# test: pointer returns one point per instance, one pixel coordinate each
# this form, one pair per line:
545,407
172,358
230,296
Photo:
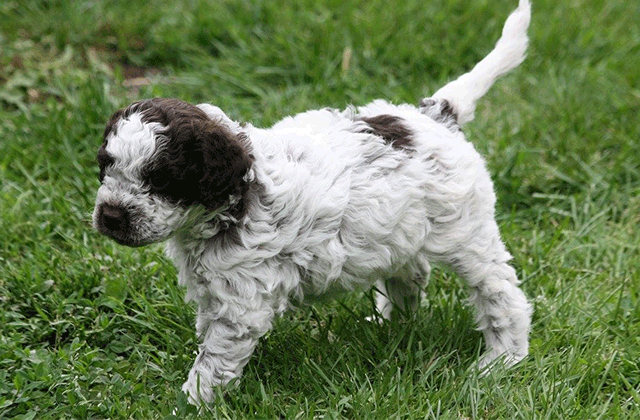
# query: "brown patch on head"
104,159
111,125
198,160
391,128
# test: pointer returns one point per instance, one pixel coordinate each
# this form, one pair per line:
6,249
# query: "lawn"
90,329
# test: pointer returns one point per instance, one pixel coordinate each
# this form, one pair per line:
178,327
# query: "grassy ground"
90,329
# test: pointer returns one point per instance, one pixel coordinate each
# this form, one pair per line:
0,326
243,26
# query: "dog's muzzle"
115,222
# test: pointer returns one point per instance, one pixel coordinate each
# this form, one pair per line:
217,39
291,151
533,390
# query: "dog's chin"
131,242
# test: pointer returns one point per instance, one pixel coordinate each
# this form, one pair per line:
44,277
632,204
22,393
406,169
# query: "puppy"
321,202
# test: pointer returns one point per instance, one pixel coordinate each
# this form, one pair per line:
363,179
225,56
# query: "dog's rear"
457,99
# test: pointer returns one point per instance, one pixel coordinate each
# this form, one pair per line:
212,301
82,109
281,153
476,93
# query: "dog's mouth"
126,241
123,238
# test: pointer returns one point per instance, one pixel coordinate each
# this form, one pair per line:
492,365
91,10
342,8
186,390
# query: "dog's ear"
226,162
201,161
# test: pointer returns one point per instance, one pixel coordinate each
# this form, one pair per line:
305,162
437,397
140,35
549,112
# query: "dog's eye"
157,180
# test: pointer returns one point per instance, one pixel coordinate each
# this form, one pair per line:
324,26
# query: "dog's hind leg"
502,311
402,292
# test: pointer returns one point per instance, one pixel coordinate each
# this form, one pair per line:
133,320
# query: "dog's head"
164,162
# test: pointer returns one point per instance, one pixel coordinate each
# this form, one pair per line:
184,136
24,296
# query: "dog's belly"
383,227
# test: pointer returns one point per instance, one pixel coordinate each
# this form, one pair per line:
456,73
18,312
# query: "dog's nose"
113,218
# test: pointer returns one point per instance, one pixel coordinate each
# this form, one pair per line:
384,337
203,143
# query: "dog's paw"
197,394
203,384
375,319
493,359
199,387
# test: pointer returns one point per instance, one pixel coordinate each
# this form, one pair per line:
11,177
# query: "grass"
94,330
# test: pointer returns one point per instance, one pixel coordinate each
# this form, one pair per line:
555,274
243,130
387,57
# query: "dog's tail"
463,93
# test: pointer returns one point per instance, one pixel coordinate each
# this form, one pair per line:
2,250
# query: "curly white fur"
337,208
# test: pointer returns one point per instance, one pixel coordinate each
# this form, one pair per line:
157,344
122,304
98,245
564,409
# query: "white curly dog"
321,202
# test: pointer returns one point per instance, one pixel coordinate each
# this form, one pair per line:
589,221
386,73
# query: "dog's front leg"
229,334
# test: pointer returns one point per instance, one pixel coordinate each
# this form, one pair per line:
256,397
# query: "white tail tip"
463,93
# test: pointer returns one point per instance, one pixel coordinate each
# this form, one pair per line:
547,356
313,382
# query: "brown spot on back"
441,111
391,128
